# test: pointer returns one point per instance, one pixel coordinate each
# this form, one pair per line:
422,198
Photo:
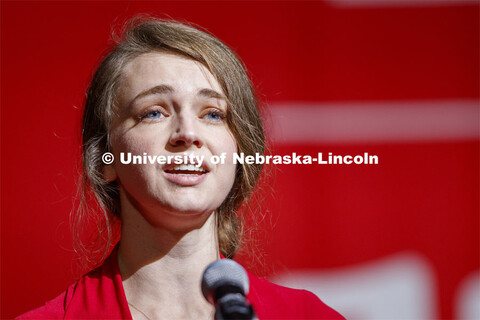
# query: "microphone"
225,284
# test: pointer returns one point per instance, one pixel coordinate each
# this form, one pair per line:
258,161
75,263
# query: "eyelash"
162,114
215,112
145,115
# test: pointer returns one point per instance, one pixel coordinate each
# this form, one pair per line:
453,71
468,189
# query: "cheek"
135,145
130,143
226,143
229,147
137,142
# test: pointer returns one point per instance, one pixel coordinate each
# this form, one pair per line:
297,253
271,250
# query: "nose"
185,133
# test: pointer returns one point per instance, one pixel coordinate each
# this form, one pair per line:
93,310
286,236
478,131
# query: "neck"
162,269
141,248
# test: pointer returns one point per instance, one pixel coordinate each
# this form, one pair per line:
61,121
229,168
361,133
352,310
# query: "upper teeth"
188,167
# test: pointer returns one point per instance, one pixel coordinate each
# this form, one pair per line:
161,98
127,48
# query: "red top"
100,295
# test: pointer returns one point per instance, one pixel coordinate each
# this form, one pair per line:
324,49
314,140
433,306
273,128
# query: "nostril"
185,139
179,142
186,134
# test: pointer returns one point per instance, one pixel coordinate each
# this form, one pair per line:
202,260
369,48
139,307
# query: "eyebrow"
160,89
163,88
209,93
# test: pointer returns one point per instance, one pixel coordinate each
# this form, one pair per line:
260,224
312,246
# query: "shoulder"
272,301
98,294
53,309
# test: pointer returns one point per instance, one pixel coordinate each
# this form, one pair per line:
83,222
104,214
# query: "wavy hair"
143,35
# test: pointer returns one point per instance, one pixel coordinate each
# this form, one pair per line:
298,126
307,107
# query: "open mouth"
186,169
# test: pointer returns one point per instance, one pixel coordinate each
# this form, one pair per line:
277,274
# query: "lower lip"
185,179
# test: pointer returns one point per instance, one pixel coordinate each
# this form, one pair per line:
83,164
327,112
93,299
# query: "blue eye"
215,115
152,115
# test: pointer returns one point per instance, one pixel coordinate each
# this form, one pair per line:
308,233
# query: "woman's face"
170,105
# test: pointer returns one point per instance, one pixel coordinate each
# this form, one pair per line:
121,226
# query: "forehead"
159,68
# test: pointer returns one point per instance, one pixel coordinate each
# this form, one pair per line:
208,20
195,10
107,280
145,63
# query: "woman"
167,89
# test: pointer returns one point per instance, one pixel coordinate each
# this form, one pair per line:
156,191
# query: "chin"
189,205
181,220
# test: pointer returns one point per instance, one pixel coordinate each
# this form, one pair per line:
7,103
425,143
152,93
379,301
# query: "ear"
109,173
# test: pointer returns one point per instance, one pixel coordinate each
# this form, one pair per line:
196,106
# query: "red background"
423,196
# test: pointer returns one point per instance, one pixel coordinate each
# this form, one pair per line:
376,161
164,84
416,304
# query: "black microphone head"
224,273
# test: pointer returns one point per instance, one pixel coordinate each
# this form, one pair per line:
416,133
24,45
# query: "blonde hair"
144,35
